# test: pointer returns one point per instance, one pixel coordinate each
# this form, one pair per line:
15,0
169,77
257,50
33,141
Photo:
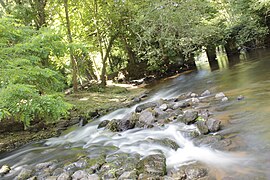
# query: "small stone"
163,107
195,100
241,97
220,95
94,177
206,93
193,95
136,99
180,105
142,107
224,99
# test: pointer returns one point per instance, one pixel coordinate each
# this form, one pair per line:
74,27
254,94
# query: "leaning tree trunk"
104,61
72,58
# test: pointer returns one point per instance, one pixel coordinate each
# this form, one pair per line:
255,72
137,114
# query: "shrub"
24,103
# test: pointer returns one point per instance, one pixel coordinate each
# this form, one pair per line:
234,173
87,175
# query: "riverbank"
87,105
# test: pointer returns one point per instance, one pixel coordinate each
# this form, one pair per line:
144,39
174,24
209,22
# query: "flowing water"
248,120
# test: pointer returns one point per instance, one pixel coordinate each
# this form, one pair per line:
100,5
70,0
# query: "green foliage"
28,79
24,103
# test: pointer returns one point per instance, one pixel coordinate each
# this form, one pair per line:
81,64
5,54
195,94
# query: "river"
247,121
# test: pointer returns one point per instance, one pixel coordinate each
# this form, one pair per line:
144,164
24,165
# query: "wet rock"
215,142
136,99
224,99
94,177
58,171
195,171
189,172
4,170
220,95
153,165
103,124
142,107
213,124
128,175
94,114
193,95
80,174
45,165
205,114
82,121
146,117
149,177
202,127
206,93
24,174
51,178
180,105
195,100
117,164
188,117
163,107
64,176
190,134
118,125
241,97
164,142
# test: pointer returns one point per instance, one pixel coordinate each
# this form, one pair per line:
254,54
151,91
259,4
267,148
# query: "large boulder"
142,107
153,165
213,124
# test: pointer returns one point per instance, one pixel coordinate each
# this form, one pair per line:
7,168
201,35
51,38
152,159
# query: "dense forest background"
47,46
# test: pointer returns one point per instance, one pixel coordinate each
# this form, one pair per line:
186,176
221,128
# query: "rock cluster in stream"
188,108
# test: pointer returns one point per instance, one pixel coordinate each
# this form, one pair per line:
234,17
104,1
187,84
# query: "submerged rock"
164,142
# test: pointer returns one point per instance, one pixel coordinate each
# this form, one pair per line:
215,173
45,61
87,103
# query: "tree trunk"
211,53
72,58
104,60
